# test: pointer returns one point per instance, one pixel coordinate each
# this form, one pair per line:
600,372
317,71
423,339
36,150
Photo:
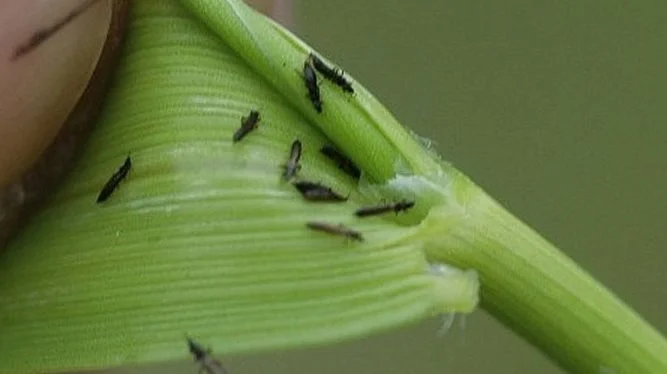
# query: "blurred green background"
558,109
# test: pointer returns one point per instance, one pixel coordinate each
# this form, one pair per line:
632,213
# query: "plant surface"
205,237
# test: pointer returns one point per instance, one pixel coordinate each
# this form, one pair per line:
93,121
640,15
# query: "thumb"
54,60
46,61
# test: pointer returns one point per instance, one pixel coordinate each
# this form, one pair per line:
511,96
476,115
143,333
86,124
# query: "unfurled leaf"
204,237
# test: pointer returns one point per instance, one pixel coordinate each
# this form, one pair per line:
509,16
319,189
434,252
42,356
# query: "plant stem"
536,290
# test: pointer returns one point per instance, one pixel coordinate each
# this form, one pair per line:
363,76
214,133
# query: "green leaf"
279,56
203,237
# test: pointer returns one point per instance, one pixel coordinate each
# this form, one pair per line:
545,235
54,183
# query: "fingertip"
41,82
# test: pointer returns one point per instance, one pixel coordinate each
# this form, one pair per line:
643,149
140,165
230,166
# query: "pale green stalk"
540,293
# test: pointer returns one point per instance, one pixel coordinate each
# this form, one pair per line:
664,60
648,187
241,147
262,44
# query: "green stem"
537,291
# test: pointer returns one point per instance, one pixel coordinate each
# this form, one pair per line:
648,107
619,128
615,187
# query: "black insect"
316,192
310,79
343,163
397,207
247,124
336,230
292,166
335,75
203,357
115,179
